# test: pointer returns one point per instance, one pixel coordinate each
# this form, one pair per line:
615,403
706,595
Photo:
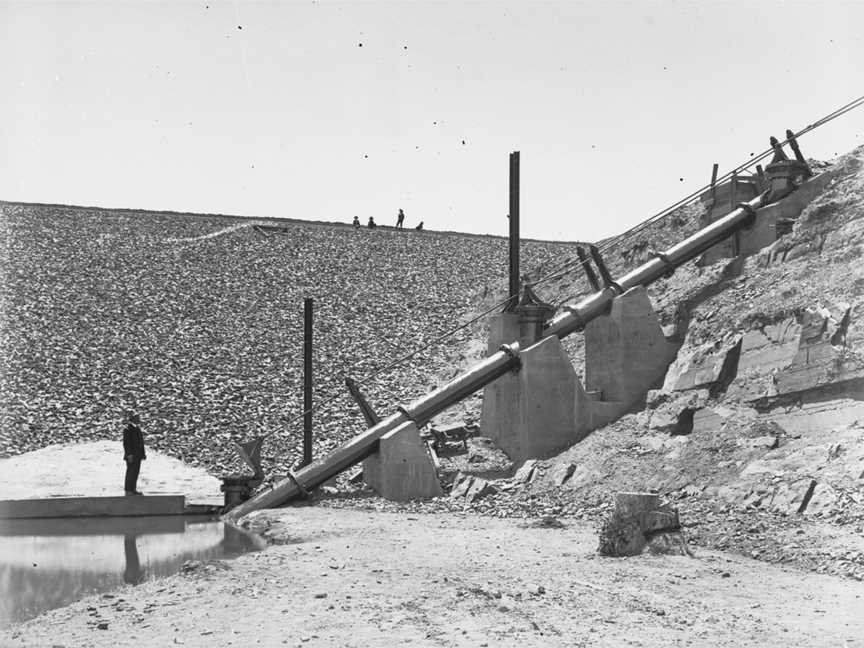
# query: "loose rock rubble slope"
197,322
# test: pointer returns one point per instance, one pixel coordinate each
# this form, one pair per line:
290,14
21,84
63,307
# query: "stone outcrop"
639,519
797,353
712,365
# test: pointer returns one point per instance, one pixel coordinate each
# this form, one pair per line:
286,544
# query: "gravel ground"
353,578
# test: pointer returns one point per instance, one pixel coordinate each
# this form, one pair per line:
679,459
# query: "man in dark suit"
133,452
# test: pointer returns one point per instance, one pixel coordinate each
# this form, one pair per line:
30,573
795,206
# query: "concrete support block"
504,328
626,353
402,469
763,232
719,201
531,413
542,408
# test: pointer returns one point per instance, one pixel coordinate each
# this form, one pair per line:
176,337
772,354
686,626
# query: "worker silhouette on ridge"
419,226
371,224
133,452
356,223
400,219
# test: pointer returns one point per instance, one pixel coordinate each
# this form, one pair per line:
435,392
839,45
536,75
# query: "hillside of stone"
757,432
196,322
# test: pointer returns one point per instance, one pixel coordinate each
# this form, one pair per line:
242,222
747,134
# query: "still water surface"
45,564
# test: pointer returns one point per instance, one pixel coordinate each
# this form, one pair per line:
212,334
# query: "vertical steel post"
307,381
733,200
513,289
733,191
714,181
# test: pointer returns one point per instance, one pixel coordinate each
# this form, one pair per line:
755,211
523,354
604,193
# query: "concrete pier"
626,352
543,407
402,469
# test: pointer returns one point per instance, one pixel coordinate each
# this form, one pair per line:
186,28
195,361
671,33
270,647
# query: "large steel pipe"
575,317
484,372
419,411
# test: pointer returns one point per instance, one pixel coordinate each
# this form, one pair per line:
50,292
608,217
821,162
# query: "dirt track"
351,578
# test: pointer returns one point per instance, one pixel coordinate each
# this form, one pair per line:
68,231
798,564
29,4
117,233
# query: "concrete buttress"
503,329
626,353
402,469
543,407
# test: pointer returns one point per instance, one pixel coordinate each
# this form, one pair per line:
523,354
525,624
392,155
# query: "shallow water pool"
49,563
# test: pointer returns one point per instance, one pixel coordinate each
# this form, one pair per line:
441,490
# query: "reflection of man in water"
133,452
133,574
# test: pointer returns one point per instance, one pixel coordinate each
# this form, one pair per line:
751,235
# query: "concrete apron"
543,407
70,507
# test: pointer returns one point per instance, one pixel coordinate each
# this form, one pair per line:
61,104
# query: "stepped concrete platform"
71,507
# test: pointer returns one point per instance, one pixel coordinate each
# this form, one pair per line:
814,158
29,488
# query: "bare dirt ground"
353,578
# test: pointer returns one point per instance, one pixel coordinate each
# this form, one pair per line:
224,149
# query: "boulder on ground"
676,415
560,473
637,519
526,472
479,489
712,365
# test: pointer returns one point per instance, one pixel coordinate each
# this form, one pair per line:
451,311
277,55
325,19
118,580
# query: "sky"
325,110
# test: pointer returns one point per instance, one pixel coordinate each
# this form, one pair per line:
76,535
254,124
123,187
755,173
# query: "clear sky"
324,110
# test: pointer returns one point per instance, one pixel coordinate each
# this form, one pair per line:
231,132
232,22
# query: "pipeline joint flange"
670,270
304,492
404,412
580,321
513,352
751,213
614,285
